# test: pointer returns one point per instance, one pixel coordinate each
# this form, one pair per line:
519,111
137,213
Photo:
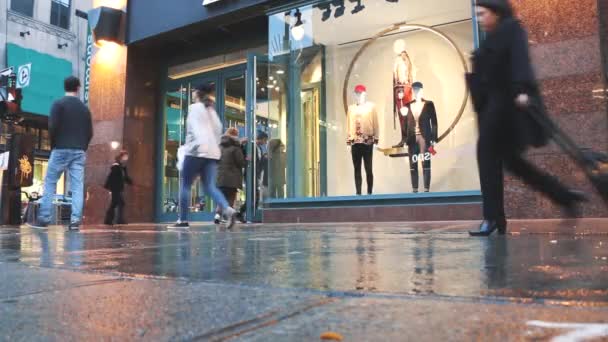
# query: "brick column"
566,47
107,103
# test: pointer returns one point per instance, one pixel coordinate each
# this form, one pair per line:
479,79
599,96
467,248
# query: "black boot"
488,227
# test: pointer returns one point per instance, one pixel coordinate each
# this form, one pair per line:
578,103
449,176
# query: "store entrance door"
258,86
230,96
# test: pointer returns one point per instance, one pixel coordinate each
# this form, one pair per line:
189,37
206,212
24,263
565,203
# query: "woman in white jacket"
202,153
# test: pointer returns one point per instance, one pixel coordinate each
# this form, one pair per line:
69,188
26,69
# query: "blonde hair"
232,131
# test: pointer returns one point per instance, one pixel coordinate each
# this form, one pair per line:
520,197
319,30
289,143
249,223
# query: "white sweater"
203,132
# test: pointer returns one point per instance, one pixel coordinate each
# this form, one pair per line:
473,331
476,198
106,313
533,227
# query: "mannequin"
402,85
362,126
420,127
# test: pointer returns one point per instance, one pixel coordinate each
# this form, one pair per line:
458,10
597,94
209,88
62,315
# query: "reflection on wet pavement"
388,259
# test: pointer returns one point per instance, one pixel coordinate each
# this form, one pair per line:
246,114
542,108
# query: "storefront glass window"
368,106
40,167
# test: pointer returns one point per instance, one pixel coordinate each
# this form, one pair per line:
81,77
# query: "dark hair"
262,135
71,84
203,90
120,155
501,7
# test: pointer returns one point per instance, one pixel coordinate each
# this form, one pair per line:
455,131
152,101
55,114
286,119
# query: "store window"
355,94
37,188
25,7
60,13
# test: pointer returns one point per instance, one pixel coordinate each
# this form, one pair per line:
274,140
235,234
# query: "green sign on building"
46,76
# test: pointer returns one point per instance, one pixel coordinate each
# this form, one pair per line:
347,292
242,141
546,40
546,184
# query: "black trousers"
116,209
419,153
365,153
492,155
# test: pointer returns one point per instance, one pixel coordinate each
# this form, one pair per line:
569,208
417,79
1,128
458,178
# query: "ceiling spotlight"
326,8
339,4
358,8
280,72
297,31
61,46
24,33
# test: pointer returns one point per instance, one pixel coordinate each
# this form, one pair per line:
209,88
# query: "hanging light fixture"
297,31
339,4
326,8
358,8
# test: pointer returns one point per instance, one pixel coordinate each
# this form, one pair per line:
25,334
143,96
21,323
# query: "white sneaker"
230,215
217,219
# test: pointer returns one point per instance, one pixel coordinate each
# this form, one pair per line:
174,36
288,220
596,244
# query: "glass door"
310,115
263,139
178,99
230,104
234,114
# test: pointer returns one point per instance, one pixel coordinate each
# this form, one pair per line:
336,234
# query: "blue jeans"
72,161
207,169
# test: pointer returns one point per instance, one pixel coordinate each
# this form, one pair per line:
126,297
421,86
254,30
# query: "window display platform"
376,208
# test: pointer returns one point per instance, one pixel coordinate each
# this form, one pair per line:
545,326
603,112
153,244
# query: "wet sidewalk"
421,282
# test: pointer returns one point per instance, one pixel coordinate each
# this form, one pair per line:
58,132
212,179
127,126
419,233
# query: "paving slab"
423,319
144,309
18,280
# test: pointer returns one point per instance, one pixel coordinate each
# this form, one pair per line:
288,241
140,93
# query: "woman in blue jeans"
202,153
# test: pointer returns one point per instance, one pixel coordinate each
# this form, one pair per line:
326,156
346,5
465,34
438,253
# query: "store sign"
23,75
87,67
209,2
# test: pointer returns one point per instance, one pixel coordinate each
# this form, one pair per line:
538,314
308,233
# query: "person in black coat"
115,183
504,88
230,168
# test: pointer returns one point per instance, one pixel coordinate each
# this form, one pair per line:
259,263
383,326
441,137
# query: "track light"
61,46
358,8
297,31
339,4
24,33
326,8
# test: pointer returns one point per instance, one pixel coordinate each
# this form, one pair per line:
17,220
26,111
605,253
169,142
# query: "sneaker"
230,215
179,225
38,225
217,219
75,226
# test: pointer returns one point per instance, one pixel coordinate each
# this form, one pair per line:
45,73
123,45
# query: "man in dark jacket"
71,131
504,90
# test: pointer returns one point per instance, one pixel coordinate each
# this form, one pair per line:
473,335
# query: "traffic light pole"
10,200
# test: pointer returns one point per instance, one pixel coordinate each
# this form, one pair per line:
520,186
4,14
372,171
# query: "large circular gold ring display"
399,26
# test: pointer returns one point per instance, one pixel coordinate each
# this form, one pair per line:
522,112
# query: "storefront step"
378,213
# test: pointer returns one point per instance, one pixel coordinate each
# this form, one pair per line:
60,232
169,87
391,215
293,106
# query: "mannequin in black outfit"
420,133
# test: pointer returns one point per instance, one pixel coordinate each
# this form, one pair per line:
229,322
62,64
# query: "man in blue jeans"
70,132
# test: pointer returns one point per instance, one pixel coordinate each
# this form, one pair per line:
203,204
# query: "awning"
46,79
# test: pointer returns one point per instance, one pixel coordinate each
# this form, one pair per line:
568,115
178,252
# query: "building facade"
294,71
49,37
